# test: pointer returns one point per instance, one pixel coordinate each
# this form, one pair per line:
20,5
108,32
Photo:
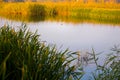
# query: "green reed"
23,56
110,69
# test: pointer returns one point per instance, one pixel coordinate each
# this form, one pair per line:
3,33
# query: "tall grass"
96,12
110,68
24,57
37,10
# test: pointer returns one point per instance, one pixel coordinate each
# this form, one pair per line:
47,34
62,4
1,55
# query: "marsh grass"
108,12
110,69
24,57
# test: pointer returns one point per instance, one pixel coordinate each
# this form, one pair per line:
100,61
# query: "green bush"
53,12
37,10
24,57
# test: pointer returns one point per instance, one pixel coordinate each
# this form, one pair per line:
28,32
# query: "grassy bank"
104,12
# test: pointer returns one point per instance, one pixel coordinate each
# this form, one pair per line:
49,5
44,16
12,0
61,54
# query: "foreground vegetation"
110,69
24,57
96,12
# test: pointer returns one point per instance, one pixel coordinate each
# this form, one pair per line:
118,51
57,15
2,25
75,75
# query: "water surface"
82,36
75,36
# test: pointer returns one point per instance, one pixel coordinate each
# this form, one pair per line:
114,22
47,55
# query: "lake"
82,36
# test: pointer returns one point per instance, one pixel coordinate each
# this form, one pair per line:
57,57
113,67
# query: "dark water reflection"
29,18
68,19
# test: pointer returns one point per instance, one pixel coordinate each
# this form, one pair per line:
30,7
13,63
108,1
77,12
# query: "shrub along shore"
72,10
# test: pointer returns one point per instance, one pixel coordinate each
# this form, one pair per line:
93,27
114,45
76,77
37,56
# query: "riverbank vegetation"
23,56
90,11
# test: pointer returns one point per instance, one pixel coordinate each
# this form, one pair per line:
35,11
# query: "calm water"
77,37
82,36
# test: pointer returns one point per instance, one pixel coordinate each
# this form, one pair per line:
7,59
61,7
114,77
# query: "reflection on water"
73,19
29,18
